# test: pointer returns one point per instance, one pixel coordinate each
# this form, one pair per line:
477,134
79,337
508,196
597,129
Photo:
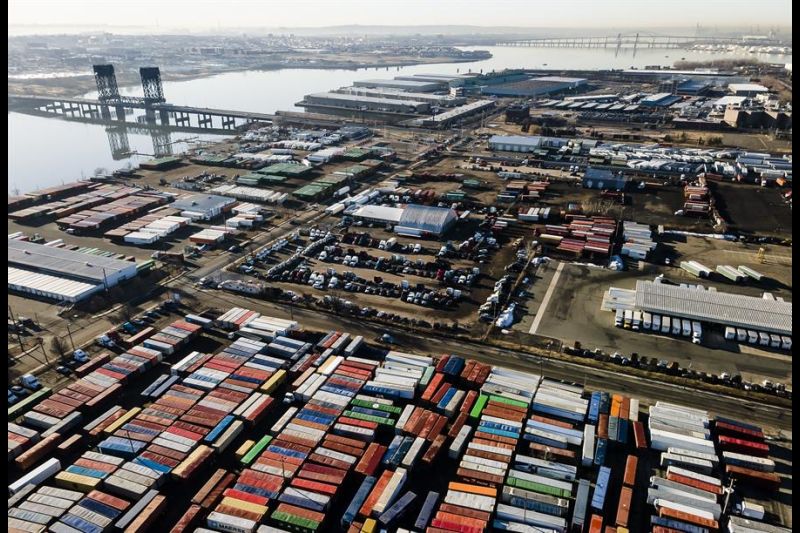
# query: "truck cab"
29,381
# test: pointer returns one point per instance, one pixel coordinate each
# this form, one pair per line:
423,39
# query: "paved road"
613,381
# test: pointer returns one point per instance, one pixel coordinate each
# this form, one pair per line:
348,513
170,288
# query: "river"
44,152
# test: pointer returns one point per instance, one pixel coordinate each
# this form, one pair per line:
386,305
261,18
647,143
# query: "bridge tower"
151,85
106,82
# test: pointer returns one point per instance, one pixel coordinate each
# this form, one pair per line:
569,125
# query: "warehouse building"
378,214
436,78
423,220
536,87
514,143
440,100
659,100
358,102
456,114
725,309
62,274
746,89
403,85
203,206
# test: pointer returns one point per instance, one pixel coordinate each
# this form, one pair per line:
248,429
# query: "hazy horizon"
410,16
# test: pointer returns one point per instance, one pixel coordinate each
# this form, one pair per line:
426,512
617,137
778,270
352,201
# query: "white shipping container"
36,476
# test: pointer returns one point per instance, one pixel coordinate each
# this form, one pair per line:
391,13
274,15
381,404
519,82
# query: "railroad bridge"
111,107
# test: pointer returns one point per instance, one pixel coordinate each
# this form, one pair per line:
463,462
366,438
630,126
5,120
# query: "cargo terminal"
359,102
276,428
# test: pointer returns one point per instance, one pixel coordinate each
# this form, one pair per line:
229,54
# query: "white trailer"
741,335
730,333
676,326
628,319
619,318
656,323
752,336
647,321
763,338
637,320
666,324
686,327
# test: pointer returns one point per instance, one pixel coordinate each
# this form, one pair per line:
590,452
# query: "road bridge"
637,40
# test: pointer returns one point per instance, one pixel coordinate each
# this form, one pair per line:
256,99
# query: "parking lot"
573,314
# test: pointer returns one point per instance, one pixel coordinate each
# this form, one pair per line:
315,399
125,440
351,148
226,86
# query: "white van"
686,328
628,318
666,324
637,320
730,333
774,341
752,336
619,318
676,326
763,338
656,323
647,321
741,335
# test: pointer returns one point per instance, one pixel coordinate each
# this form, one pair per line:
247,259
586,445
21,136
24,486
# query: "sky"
160,15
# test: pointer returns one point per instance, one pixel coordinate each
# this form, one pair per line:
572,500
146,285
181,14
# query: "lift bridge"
111,107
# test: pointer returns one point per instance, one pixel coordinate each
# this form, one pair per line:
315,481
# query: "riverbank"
77,86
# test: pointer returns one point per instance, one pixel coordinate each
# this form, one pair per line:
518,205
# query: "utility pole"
70,337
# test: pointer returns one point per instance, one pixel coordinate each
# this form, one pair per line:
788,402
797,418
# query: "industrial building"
456,114
420,220
659,100
203,206
535,87
596,178
404,85
726,309
746,89
436,78
441,100
60,273
412,220
514,143
357,102
379,214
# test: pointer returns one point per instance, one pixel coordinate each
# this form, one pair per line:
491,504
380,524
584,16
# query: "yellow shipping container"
247,506
243,449
274,381
68,480
370,525
121,421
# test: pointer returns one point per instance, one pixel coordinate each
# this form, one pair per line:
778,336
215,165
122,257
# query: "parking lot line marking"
546,299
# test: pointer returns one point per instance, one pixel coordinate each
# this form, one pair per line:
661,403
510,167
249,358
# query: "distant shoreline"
77,86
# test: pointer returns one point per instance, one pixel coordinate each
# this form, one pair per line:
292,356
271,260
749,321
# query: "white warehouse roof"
380,212
61,261
727,309
747,87
48,286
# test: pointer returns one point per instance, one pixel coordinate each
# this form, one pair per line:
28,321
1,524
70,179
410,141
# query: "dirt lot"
752,209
